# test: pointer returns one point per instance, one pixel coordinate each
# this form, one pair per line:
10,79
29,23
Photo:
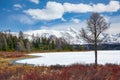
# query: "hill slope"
71,35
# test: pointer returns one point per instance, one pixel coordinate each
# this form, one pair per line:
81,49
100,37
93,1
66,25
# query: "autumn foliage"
11,54
73,72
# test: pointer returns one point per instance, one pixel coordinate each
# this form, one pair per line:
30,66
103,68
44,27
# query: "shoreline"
13,62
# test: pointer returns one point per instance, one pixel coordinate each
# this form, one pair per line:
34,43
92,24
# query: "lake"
68,58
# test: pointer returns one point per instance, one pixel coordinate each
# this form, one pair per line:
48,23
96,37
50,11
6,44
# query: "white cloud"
77,8
114,28
63,19
23,19
67,25
75,20
17,6
52,11
113,6
115,19
115,24
35,1
44,27
26,20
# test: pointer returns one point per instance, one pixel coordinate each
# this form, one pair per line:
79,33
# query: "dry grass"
11,54
73,72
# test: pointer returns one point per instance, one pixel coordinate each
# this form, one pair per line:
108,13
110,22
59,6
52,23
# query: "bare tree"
96,24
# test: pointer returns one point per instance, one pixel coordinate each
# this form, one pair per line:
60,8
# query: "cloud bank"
52,11
55,10
113,6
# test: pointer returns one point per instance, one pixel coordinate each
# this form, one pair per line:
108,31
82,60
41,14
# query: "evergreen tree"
80,48
14,40
28,47
20,45
10,43
21,35
53,45
3,42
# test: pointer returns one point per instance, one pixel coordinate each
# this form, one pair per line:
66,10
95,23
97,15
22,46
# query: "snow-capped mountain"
112,38
71,35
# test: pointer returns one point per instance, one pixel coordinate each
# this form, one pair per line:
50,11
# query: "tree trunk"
95,45
96,55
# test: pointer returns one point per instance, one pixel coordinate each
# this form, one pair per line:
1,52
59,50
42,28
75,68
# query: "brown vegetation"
6,57
73,72
11,54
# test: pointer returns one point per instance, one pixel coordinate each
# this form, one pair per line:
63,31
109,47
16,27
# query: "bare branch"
96,24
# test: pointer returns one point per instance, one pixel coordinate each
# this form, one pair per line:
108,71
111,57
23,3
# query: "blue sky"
24,15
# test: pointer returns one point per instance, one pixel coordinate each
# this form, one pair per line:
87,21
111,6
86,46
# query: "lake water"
68,58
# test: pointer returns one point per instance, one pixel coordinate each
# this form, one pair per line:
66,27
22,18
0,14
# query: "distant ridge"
71,35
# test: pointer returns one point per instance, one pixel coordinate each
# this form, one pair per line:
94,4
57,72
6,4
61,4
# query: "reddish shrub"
73,72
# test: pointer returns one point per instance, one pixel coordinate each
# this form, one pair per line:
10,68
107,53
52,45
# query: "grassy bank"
7,57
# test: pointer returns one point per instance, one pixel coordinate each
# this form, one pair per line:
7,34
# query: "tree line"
20,42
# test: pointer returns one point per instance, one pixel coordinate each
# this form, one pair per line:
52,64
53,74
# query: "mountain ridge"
71,35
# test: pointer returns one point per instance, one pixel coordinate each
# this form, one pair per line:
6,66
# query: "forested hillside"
20,42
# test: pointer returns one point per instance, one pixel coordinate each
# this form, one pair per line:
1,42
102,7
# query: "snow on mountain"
112,38
71,35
